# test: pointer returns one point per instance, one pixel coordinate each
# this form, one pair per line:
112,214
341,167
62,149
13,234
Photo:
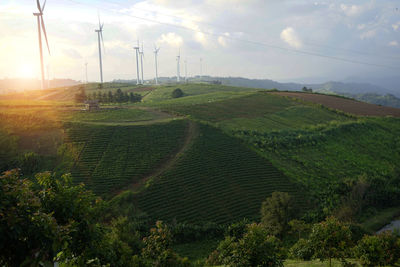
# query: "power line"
244,40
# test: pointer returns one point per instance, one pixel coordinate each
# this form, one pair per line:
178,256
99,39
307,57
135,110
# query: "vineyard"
218,179
108,158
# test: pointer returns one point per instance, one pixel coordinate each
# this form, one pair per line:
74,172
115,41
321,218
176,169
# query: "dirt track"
346,105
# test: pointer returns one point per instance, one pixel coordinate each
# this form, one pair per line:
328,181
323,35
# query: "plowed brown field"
343,104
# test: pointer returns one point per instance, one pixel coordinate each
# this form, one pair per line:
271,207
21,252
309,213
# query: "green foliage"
80,97
217,179
254,248
29,163
177,93
22,219
8,150
157,250
331,239
378,250
302,249
276,212
118,96
298,227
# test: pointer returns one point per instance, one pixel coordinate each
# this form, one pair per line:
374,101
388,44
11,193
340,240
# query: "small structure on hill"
91,105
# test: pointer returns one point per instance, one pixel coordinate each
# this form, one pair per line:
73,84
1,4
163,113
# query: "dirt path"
191,134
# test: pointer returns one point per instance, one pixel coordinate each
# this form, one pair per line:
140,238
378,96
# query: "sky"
297,40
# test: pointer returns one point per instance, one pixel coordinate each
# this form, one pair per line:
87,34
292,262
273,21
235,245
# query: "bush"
177,93
302,250
378,250
255,248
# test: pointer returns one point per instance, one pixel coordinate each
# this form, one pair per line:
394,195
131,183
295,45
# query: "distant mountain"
361,91
18,85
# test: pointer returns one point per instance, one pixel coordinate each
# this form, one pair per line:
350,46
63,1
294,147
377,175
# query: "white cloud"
72,53
368,34
351,10
393,43
222,40
290,36
171,39
361,27
396,26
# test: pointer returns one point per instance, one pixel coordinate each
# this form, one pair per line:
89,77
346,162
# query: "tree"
276,212
177,93
26,231
110,97
80,96
119,96
331,239
157,250
255,248
298,226
378,250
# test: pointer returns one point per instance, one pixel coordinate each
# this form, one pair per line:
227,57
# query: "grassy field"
218,179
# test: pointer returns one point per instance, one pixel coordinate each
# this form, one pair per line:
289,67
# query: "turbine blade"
38,6
45,35
44,4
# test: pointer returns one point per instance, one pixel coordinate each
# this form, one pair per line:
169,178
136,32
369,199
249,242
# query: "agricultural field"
344,104
258,111
106,158
218,179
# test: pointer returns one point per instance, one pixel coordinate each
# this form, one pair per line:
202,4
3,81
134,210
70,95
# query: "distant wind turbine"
185,71
141,61
100,37
137,62
201,67
41,27
178,67
155,58
86,71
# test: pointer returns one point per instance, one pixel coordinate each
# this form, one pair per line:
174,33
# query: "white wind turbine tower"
178,67
100,37
41,27
185,71
141,61
137,62
155,58
86,72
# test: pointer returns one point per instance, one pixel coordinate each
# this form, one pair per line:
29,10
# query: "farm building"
92,105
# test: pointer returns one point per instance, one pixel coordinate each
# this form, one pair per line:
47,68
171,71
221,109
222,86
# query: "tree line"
49,219
107,97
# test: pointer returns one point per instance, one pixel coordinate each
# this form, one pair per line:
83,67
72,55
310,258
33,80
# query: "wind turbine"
141,61
178,67
41,27
86,72
137,62
155,58
185,71
201,68
100,36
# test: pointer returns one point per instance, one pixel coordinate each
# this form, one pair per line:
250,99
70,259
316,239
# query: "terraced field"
110,157
218,179
258,111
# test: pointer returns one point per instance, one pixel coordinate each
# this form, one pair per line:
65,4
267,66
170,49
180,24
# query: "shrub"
177,93
378,250
255,248
302,250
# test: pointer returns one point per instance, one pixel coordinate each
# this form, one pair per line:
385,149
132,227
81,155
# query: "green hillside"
218,179
106,158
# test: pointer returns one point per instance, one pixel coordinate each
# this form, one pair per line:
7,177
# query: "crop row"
218,179
113,157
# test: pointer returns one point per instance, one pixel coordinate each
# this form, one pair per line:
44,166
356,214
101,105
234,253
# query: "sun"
26,71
